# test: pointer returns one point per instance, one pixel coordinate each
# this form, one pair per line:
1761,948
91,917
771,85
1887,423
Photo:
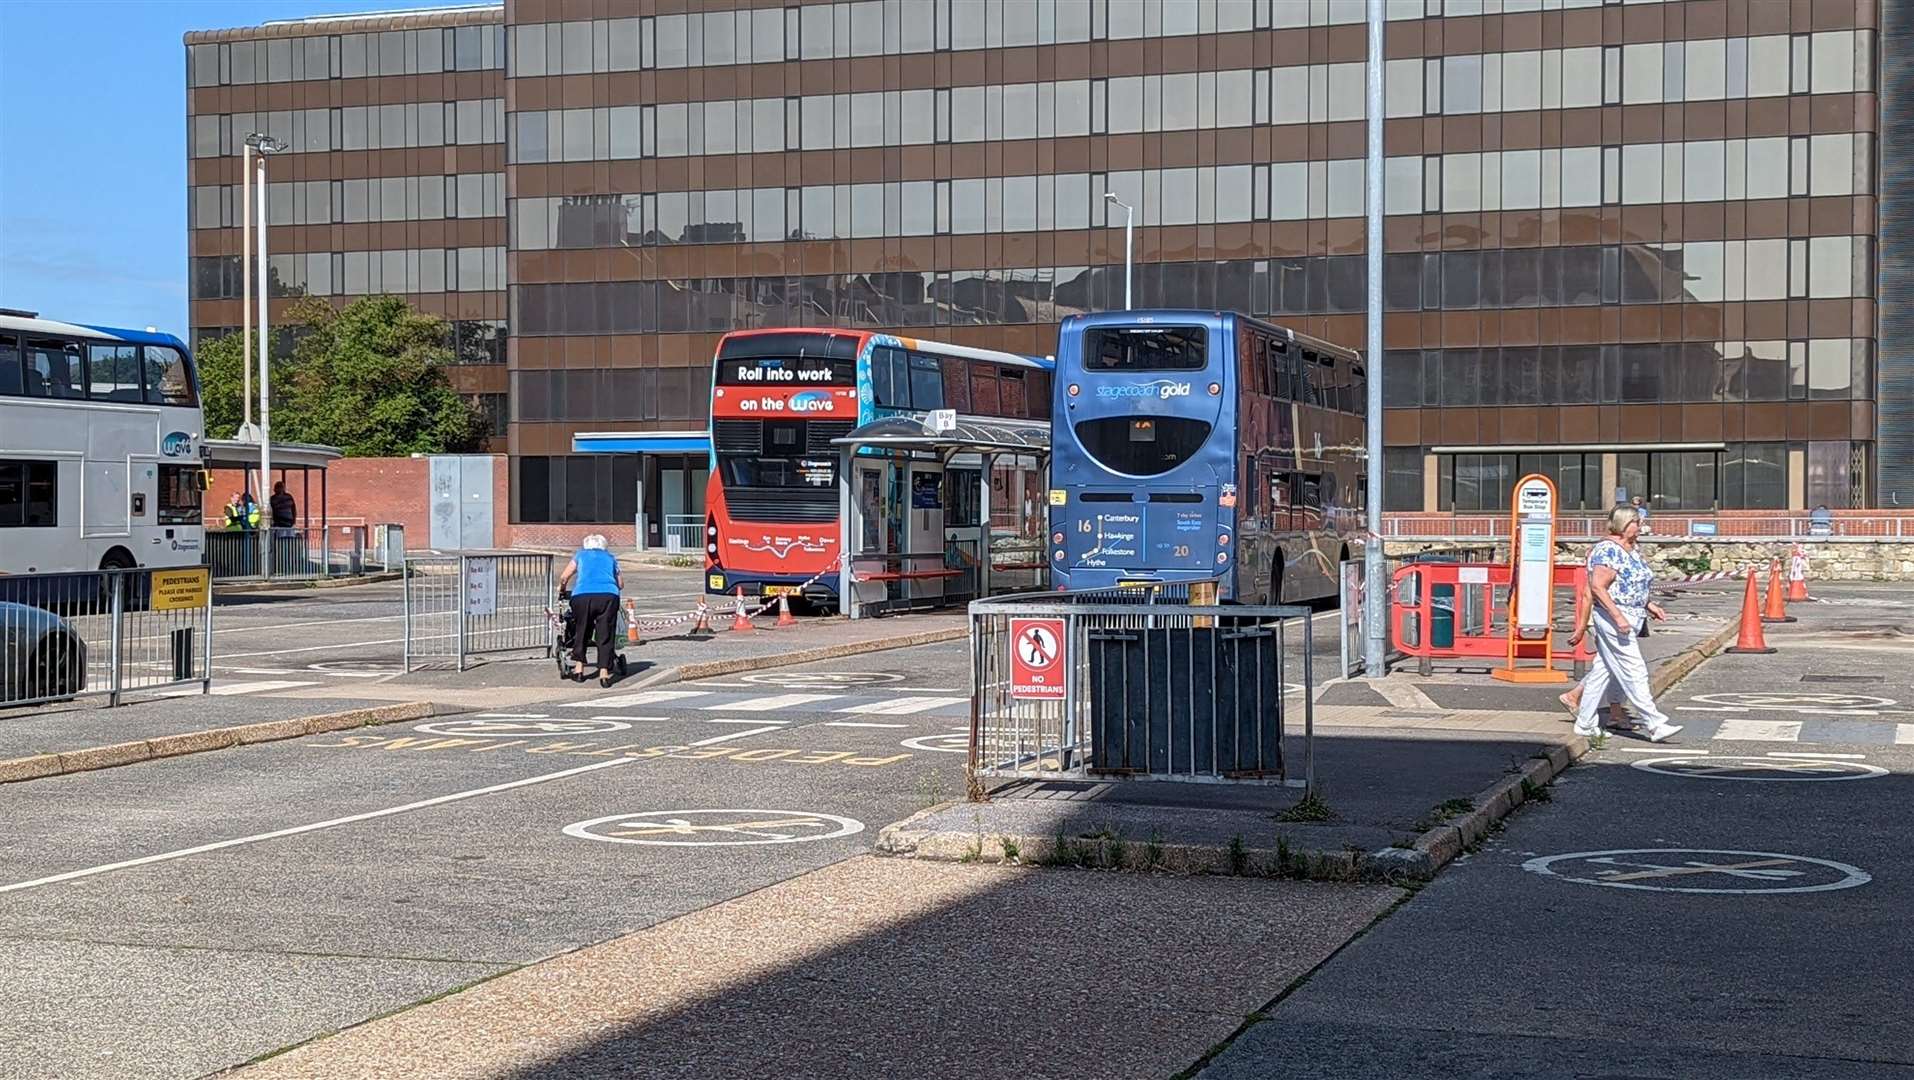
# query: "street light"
265,145
1129,238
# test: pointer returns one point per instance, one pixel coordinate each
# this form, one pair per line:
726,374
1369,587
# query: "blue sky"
93,180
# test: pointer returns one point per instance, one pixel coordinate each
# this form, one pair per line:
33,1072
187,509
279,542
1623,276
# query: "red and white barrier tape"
702,611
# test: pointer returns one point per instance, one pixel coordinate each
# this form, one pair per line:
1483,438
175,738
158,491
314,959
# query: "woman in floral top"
1619,580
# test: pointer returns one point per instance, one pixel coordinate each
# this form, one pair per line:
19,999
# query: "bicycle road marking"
1636,868
730,828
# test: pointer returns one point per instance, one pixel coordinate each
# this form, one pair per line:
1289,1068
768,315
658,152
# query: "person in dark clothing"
284,511
593,578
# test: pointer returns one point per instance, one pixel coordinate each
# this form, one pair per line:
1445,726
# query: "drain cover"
1841,678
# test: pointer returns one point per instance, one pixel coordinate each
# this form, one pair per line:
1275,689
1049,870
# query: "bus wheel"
116,559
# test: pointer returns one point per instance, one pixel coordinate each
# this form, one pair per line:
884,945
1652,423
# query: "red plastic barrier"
1481,584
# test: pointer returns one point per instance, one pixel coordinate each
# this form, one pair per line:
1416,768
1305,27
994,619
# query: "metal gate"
461,501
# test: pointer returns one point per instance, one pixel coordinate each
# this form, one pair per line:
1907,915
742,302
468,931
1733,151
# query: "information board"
481,585
1534,551
181,590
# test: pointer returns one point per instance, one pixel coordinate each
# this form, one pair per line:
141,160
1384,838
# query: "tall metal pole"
1376,570
246,280
1129,244
1129,255
265,382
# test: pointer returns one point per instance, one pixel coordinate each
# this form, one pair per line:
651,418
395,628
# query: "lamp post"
246,282
1375,570
1129,243
266,145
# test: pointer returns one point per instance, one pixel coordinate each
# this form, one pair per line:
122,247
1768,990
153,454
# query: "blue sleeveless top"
596,573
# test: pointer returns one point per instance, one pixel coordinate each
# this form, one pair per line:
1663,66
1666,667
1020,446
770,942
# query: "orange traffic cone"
1798,577
741,621
631,624
1776,611
1751,639
785,618
702,629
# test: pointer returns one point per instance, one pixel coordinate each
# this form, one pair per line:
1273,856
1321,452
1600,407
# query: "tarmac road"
1712,907
183,916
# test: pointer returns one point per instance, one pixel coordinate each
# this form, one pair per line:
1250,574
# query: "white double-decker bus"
100,446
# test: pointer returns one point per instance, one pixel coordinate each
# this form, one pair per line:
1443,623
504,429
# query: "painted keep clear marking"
519,727
1770,768
823,680
1792,702
1700,870
1739,730
714,828
957,742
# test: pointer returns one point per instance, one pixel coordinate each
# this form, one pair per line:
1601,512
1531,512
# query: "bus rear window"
1150,348
1142,445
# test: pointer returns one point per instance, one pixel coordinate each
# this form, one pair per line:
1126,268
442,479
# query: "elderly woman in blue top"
1619,580
594,581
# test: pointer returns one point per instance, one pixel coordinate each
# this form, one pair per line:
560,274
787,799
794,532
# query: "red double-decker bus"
778,398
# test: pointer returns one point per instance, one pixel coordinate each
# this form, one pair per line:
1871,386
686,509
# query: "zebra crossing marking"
1759,730
775,701
903,706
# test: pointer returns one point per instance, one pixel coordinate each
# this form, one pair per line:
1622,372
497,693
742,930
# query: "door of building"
461,501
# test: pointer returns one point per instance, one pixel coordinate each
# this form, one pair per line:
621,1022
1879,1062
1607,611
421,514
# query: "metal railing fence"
107,632
1663,525
305,553
458,606
684,533
1153,687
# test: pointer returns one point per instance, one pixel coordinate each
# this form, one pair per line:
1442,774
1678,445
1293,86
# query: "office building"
1631,245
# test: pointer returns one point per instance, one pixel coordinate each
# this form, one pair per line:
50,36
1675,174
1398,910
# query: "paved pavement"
1718,907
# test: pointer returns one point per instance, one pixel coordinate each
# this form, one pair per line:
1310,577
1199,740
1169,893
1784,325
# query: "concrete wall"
1828,559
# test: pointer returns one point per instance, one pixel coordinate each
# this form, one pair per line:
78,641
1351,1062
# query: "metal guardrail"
107,632
458,606
1661,525
305,554
1153,687
684,533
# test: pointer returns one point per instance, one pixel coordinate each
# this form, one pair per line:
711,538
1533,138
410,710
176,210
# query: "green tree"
369,379
222,363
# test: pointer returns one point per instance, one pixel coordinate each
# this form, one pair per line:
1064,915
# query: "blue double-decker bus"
1189,445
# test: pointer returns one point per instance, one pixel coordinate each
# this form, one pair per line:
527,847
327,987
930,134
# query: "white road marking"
1760,730
903,706
737,735
739,720
854,723
1819,757
1709,708
642,697
318,648
1904,734
234,689
774,701
296,625
640,719
1841,712
1665,751
217,845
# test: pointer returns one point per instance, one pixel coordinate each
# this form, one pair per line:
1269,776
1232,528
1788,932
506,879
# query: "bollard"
182,641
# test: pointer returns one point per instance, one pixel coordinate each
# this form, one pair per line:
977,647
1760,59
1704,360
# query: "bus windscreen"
788,360
1145,348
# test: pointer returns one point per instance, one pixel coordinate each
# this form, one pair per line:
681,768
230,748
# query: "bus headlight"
1056,538
1222,557
1215,389
1058,556
1223,540
1074,390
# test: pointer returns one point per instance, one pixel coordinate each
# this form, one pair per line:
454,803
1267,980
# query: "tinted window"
1170,348
113,373
926,382
54,369
169,378
1142,445
29,494
9,365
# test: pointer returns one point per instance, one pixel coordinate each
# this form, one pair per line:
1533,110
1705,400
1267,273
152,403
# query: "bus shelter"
932,515
308,549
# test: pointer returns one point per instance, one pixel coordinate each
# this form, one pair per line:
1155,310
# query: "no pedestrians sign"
1037,668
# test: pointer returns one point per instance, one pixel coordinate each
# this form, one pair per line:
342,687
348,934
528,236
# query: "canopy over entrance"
933,516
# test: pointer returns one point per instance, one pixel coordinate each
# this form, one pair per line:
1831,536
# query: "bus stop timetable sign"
1037,669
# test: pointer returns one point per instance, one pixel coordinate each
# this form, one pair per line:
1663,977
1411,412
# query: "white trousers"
1618,663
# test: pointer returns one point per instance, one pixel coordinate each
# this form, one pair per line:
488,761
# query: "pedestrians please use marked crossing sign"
1037,668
